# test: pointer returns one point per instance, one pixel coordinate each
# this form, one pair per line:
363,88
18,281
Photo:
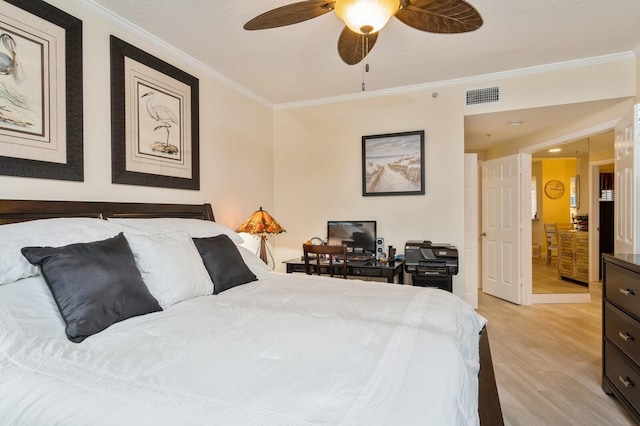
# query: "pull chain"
364,36
365,52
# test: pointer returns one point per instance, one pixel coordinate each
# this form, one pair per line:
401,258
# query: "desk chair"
319,251
551,235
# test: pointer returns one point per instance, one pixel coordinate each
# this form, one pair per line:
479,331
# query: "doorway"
528,297
606,203
575,260
583,196
603,241
483,131
560,222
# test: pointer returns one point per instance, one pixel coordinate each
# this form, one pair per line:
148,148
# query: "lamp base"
263,248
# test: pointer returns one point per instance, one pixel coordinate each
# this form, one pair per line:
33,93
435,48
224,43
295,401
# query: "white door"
471,232
501,245
626,137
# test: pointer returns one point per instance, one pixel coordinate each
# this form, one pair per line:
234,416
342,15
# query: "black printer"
431,264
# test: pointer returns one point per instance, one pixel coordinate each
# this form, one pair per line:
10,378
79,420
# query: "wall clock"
554,189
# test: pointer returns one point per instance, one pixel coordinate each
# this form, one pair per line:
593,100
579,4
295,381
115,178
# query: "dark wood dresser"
621,329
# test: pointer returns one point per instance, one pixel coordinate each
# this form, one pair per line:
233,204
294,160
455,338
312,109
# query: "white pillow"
170,266
46,232
195,227
257,265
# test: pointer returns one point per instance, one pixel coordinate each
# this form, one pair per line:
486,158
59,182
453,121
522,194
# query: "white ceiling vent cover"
483,96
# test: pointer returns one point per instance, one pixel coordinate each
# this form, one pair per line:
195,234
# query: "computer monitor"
358,235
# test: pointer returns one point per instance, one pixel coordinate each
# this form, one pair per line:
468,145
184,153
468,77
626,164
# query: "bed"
275,349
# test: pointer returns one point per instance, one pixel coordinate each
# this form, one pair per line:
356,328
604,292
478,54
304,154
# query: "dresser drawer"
622,287
623,331
624,376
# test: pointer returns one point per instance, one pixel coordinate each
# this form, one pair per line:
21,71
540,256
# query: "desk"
372,268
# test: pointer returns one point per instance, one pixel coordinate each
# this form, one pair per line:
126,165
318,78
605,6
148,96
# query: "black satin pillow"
94,284
224,262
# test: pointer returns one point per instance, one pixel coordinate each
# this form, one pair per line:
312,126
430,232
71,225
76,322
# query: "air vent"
483,96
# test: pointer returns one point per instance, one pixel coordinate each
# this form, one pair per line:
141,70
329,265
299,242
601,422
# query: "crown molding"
167,49
467,81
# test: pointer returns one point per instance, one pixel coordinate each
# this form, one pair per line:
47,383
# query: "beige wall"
235,136
317,153
638,77
582,170
318,169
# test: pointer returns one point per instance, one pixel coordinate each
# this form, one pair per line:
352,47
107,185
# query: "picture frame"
393,164
154,121
41,125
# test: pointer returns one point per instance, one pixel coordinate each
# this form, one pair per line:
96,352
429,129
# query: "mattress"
286,349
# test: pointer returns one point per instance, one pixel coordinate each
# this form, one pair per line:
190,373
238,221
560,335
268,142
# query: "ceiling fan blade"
350,46
290,14
440,16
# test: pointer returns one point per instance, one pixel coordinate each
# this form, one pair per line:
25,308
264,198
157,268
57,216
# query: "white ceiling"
300,62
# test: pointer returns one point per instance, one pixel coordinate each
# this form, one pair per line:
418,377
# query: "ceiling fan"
364,18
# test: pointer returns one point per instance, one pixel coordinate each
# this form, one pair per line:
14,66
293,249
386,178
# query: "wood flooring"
545,278
548,362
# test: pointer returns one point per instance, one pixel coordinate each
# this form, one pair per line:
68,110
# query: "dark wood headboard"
12,211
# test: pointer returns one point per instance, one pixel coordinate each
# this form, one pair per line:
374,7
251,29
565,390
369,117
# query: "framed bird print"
40,91
154,121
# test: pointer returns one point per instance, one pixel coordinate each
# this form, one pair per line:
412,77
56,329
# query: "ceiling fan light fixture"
366,16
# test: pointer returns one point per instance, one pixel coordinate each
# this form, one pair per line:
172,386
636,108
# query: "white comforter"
284,350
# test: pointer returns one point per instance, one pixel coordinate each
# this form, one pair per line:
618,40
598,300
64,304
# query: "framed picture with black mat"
41,110
154,116
393,164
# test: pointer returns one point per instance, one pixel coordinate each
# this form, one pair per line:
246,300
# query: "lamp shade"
366,16
261,222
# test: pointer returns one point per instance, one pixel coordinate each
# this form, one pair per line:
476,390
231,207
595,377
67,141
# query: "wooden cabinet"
621,329
573,255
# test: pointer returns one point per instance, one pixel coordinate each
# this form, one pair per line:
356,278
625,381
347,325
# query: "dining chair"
337,255
551,235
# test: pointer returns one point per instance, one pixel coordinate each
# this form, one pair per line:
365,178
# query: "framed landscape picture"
154,116
393,164
40,92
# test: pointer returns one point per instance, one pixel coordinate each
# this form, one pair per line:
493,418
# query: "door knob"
483,234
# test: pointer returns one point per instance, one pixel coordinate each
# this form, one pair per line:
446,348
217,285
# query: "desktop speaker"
379,247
